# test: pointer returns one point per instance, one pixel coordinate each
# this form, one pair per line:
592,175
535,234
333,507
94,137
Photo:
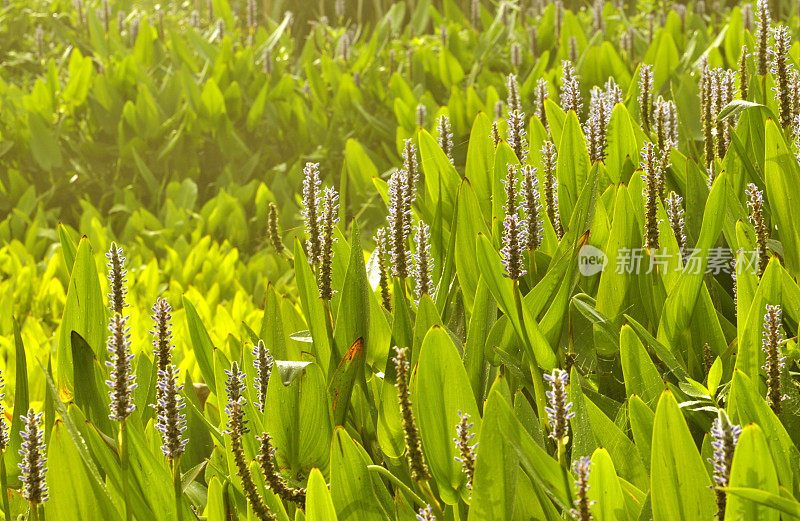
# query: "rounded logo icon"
591,260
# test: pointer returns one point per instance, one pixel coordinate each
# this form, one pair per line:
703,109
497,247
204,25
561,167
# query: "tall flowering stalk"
117,279
515,52
416,460
466,449
780,67
724,437
708,88
773,338
422,115
401,190
651,176
236,428
273,231
514,231
532,207
266,459
755,200
262,363
540,94
162,340
33,465
330,216
423,262
4,440
570,88
414,455
122,382
582,467
674,207
445,137
310,212
549,158
559,410
381,251
516,120
743,76
762,35
596,124
646,95
171,423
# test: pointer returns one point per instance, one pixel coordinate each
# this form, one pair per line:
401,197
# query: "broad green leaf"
319,505
573,164
73,495
752,468
680,486
605,490
502,290
480,158
747,405
351,485
496,464
470,224
440,367
84,312
298,419
202,348
783,177
640,374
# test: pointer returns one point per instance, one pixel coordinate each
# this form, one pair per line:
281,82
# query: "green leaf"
87,394
780,503
319,505
752,468
639,372
681,301
351,485
84,313
680,486
605,489
496,464
783,178
439,368
313,310
470,224
298,419
747,405
502,290
573,165
73,495
480,159
202,347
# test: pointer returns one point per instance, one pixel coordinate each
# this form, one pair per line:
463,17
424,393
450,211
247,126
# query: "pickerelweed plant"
577,225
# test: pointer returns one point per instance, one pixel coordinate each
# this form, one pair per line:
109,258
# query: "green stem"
125,462
402,486
34,511
536,372
434,503
4,485
178,486
562,452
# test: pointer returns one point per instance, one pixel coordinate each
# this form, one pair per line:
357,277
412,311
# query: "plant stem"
394,479
34,511
125,462
536,372
562,452
434,503
4,485
178,486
